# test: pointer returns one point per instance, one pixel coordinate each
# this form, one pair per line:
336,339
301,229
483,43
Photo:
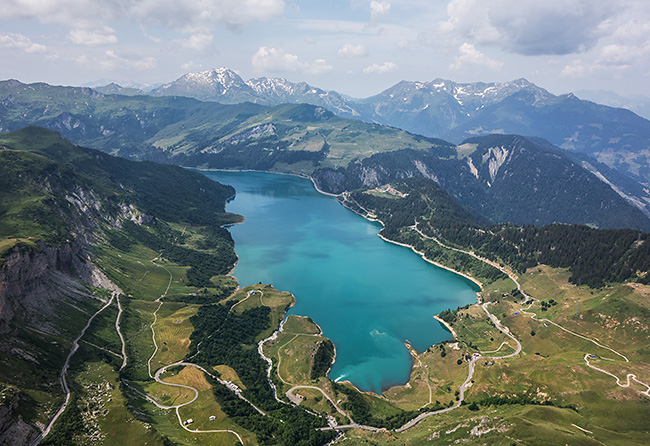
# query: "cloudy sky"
357,47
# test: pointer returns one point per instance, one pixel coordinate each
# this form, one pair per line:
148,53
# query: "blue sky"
355,47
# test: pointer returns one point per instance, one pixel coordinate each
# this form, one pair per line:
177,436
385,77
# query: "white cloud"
73,13
533,27
273,59
20,42
319,66
185,15
103,36
378,9
190,66
469,55
611,58
276,60
112,61
194,15
197,42
383,68
350,51
576,69
404,45
154,39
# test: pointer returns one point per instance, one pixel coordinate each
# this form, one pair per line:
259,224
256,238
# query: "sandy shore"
447,326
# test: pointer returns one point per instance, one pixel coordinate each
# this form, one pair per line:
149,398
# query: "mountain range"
516,179
639,103
455,111
79,226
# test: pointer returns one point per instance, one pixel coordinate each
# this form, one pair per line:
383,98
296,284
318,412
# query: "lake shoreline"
421,254
442,332
447,326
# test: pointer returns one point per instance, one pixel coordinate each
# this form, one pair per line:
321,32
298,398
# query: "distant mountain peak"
217,84
216,78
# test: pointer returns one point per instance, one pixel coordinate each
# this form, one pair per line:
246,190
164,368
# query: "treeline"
455,260
322,359
203,265
425,200
450,316
229,338
358,406
594,257
285,425
204,296
519,399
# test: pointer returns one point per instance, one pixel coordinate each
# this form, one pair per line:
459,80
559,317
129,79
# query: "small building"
516,313
212,418
188,421
592,356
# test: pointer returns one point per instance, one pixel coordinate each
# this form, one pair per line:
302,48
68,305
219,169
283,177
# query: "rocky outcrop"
32,280
14,431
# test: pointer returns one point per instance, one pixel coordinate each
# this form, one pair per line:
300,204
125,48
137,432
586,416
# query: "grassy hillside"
177,304
505,178
594,257
546,395
154,230
188,132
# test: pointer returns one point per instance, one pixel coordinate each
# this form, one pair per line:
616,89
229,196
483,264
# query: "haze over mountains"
639,104
69,212
270,126
455,111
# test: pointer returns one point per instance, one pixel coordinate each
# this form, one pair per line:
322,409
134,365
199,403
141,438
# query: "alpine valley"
121,322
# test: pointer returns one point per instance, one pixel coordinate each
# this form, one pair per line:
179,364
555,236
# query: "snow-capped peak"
219,76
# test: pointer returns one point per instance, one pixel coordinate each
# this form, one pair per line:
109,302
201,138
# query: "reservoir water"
369,296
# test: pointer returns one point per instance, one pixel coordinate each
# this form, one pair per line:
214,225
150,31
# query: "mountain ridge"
289,138
505,178
456,111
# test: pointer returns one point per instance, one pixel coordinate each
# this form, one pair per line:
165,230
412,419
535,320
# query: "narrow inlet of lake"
369,296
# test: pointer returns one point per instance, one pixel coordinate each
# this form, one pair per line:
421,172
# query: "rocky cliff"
33,281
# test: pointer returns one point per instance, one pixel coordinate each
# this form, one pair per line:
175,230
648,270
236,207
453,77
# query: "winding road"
64,371
297,399
231,386
291,393
534,317
461,397
119,332
630,377
505,330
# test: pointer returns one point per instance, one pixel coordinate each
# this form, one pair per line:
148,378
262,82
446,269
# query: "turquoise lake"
369,296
